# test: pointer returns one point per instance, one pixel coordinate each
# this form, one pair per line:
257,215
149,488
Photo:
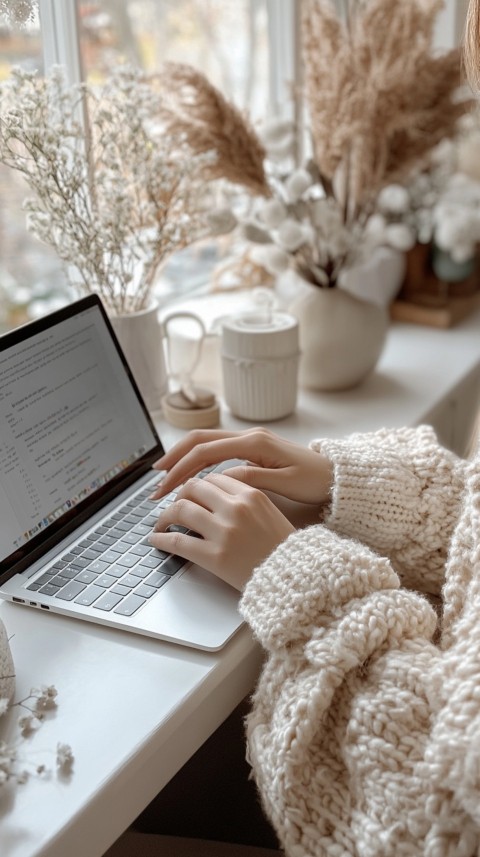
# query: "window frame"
60,37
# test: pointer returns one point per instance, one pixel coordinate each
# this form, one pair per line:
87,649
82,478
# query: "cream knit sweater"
364,735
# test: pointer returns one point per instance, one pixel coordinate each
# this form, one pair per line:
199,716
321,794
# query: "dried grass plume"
210,123
378,98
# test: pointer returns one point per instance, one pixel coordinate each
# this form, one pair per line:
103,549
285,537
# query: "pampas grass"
196,109
378,99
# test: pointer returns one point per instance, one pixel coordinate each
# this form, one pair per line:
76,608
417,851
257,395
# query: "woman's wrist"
324,478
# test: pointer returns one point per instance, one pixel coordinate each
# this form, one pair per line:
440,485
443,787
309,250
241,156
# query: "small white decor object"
260,355
188,406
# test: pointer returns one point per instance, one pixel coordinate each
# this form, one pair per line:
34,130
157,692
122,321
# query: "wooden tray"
453,311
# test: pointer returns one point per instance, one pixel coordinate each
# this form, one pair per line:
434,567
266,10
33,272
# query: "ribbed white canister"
260,355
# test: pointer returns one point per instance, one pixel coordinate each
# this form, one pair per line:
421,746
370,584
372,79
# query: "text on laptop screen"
70,421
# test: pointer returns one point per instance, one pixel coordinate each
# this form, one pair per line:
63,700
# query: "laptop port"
44,607
32,603
18,600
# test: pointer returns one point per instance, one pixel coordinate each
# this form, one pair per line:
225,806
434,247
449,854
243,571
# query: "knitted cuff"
376,489
306,581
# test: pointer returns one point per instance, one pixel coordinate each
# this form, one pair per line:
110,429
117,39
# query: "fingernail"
154,495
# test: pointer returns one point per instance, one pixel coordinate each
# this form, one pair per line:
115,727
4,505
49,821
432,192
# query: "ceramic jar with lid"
260,355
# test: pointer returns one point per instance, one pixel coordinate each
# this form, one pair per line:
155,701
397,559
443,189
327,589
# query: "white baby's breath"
65,757
18,12
115,203
16,758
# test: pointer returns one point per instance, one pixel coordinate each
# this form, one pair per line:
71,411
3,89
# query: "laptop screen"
72,424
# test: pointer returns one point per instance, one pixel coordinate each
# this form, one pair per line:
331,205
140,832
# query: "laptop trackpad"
200,576
195,607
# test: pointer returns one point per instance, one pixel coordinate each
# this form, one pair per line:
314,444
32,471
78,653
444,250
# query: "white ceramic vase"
7,669
341,337
141,337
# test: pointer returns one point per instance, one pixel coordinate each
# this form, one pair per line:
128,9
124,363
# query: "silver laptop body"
77,446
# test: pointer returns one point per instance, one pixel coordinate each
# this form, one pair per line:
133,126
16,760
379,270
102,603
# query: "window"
227,39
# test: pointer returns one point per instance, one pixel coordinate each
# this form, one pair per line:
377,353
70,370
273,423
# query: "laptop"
77,445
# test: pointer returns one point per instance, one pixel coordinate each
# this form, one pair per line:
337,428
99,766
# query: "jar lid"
260,335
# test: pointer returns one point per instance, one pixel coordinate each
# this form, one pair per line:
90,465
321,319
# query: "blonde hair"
471,51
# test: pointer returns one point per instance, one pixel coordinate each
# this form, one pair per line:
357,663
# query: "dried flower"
64,757
439,205
303,228
210,123
17,767
18,12
114,203
378,101
394,199
28,723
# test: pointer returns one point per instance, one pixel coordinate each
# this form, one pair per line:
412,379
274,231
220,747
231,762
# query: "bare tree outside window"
226,39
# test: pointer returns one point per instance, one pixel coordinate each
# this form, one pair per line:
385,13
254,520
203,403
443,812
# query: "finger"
182,447
184,545
264,478
188,514
197,491
206,454
224,484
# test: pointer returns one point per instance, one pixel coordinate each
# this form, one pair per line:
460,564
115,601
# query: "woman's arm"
400,493
397,491
342,715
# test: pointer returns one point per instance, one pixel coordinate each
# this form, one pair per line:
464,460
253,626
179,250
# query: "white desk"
133,709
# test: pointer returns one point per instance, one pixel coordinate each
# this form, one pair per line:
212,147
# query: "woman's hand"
274,464
238,527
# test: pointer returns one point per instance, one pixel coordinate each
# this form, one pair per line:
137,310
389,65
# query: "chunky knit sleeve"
342,712
398,492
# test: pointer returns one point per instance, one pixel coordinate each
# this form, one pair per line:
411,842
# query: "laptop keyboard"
114,568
